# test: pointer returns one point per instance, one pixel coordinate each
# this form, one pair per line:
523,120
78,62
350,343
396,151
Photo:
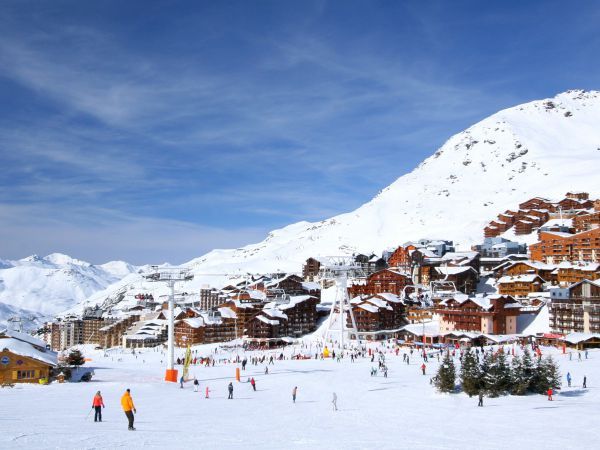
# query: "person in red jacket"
423,368
550,394
253,383
98,404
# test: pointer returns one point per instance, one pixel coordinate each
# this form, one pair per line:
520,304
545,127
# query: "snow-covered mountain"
35,286
545,147
541,148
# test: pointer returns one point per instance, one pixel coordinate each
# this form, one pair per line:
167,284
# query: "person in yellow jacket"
128,407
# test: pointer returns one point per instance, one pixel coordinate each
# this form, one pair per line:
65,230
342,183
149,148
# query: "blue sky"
156,131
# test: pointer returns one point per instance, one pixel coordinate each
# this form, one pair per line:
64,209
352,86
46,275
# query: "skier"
128,408
253,383
196,385
423,368
266,370
480,398
230,389
550,394
569,378
584,382
207,391
385,372
181,382
579,356
294,392
98,404
334,401
586,354
407,360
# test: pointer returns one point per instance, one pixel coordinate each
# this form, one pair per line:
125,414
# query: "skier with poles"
97,405
253,383
128,408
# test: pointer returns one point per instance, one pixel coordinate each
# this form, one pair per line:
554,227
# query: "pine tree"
497,378
484,371
546,376
470,373
75,358
446,376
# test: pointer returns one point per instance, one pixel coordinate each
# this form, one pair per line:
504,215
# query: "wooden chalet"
557,247
465,278
386,280
24,359
495,314
569,273
400,259
514,268
520,285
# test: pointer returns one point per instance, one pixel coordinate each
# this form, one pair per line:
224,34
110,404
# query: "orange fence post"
237,373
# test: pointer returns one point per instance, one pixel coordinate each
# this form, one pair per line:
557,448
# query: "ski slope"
402,411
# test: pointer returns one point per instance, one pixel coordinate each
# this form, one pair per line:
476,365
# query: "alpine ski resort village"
459,308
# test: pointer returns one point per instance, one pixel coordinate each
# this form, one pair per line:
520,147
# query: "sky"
153,131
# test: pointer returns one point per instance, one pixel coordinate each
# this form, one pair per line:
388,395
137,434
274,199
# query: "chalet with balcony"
520,285
553,248
575,309
386,280
494,314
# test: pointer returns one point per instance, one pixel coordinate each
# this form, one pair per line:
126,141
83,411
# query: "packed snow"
400,411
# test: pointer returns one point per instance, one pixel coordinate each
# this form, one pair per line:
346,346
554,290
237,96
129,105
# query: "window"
25,374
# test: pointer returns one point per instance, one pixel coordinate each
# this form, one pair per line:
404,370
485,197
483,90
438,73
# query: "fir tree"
470,373
546,375
484,370
446,375
497,378
519,380
75,358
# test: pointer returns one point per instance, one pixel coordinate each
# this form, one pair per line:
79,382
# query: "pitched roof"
23,348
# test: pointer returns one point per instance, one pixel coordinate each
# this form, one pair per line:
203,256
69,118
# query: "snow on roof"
275,312
311,286
388,296
195,322
227,313
459,255
528,278
558,223
541,323
25,338
432,329
267,320
453,270
368,307
587,267
22,348
378,302
295,300
576,338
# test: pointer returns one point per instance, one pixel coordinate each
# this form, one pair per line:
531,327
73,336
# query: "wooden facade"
386,280
557,247
494,315
520,285
24,359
